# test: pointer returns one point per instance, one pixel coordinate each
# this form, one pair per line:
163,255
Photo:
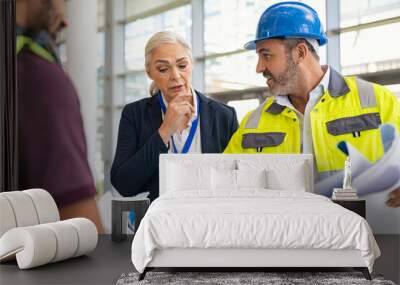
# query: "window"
395,88
62,53
353,13
138,32
136,86
99,163
228,25
100,53
233,72
369,46
101,7
242,107
368,41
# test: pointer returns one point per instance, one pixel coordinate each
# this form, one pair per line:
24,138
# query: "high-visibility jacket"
23,41
350,110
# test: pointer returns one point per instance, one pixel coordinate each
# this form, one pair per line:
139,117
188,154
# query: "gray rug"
243,278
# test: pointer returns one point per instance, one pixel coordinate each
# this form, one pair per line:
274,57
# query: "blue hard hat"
289,20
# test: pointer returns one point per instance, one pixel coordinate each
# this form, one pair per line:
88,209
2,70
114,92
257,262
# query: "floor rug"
244,278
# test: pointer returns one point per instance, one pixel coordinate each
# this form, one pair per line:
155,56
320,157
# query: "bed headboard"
285,163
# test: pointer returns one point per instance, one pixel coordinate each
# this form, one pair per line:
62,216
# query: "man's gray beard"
287,81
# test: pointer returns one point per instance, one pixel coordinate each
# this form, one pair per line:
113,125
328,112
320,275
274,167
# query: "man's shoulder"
357,83
44,83
28,59
41,72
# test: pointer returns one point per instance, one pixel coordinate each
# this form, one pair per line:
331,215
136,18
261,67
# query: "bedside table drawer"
356,206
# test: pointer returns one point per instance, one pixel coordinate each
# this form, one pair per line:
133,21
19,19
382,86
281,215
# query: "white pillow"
184,177
201,160
223,179
293,179
251,178
281,174
227,179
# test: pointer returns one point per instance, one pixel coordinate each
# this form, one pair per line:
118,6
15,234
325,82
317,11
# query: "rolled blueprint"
373,182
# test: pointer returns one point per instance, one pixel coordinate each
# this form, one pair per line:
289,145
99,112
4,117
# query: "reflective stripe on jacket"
350,110
34,47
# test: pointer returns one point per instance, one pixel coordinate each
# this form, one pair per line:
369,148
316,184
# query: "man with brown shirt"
52,146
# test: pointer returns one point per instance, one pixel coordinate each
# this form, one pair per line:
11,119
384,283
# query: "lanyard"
192,131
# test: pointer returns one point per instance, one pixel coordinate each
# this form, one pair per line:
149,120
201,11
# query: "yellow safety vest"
34,47
350,110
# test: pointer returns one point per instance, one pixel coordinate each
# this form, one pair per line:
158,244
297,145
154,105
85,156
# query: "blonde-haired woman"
175,119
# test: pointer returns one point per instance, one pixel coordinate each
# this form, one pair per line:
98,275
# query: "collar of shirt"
321,87
43,39
194,103
181,137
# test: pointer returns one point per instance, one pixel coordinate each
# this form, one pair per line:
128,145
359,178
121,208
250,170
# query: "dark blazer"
135,166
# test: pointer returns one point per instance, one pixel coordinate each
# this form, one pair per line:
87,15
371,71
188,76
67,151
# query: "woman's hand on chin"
178,115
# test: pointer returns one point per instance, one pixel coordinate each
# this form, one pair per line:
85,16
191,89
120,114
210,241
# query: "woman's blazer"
135,166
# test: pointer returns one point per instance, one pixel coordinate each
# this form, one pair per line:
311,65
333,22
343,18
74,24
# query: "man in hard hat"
313,107
51,143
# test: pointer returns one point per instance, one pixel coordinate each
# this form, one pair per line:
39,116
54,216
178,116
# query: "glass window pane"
100,52
230,24
371,49
234,72
100,67
369,46
99,163
363,11
138,32
101,5
136,86
62,53
100,91
242,107
395,88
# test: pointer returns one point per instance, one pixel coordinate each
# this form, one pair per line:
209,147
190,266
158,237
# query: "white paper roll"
87,235
67,239
23,208
7,217
40,244
45,205
33,246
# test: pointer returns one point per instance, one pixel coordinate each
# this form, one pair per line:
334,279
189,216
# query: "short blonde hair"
158,39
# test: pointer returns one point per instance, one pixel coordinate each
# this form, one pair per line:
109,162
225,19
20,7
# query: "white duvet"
253,218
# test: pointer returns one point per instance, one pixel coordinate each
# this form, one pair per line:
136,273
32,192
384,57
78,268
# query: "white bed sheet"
252,218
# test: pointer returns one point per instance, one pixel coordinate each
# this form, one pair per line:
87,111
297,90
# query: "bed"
247,211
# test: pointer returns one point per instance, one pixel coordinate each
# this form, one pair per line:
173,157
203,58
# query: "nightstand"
357,206
120,205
